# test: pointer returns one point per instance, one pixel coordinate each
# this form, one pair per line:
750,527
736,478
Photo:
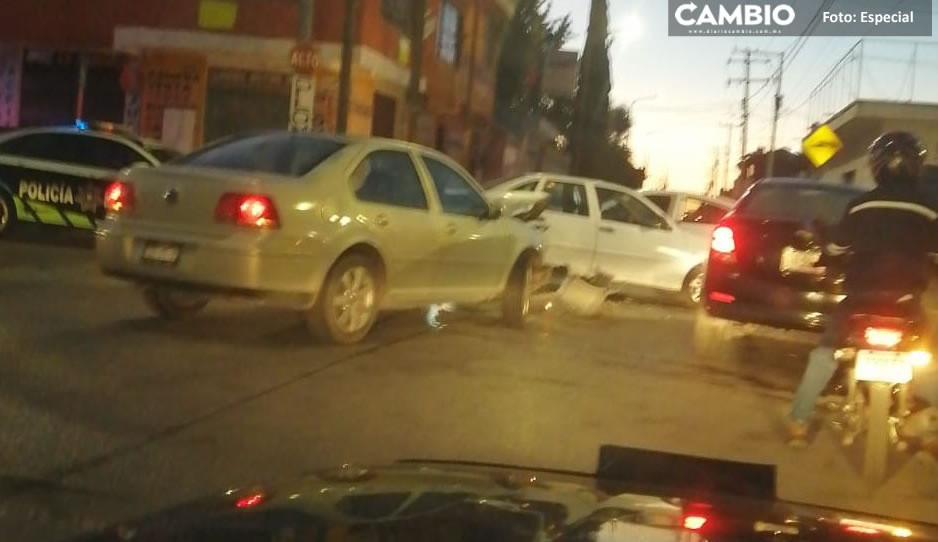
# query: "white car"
343,228
691,210
593,227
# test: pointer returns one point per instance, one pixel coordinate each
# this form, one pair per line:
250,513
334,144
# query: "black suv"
762,271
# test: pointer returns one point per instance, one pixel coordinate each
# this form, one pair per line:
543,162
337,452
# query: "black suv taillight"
723,243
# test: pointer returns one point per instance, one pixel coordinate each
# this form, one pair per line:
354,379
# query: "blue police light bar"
81,125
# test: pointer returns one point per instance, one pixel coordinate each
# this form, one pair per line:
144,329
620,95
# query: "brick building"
190,71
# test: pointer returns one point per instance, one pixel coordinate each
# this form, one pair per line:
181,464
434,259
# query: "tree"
529,40
590,129
619,122
595,132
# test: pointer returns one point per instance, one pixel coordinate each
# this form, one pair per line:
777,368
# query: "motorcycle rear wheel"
876,454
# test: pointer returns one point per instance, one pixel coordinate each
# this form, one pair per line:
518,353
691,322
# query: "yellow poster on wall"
217,14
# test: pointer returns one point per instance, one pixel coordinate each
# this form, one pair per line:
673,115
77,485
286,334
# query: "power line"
758,91
788,56
817,59
812,26
768,45
826,79
838,65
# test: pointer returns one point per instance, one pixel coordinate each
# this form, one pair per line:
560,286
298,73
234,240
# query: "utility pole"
471,138
746,80
417,23
744,57
307,16
470,81
770,167
714,172
726,155
82,83
345,71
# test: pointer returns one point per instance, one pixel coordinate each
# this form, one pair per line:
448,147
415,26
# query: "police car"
57,175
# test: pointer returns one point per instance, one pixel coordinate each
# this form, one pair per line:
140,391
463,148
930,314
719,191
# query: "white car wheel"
354,302
348,302
516,301
693,289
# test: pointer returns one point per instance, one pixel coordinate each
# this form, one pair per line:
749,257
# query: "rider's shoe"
797,433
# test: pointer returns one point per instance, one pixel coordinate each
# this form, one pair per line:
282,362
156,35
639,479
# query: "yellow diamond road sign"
821,145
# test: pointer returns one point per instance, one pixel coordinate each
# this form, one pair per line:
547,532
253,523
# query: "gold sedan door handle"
381,220
451,229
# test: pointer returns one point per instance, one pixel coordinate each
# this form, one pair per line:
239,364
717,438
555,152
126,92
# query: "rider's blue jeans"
821,367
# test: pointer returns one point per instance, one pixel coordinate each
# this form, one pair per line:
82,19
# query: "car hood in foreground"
430,500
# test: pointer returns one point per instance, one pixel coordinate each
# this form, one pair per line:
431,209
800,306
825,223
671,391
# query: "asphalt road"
107,412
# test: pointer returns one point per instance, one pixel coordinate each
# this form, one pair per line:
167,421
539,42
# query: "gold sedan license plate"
162,253
879,366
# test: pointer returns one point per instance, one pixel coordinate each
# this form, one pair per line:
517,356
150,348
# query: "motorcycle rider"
889,234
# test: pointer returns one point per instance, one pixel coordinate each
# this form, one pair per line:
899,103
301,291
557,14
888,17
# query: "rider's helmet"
897,158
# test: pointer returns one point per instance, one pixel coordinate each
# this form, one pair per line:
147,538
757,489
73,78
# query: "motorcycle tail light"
882,337
694,522
250,501
919,358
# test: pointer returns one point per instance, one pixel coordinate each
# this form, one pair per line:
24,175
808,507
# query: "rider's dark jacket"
890,234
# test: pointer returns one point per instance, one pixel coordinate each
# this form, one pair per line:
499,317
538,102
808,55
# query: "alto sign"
304,58
690,14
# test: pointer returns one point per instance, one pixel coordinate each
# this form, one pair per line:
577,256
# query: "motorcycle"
885,339
885,342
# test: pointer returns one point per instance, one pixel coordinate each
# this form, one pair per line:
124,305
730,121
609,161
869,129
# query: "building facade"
859,123
191,71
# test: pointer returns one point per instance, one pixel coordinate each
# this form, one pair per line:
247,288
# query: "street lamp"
648,98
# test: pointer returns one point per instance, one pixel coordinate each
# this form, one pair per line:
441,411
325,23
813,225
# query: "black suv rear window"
796,203
292,155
